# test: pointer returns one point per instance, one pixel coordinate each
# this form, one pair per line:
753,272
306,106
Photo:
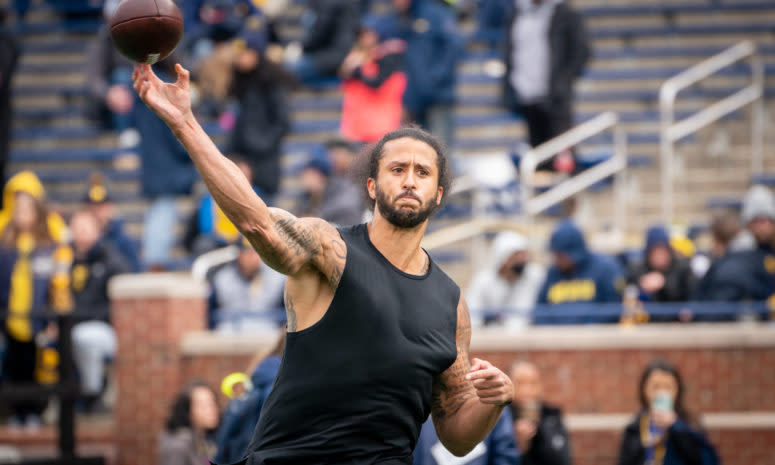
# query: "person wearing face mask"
664,432
510,282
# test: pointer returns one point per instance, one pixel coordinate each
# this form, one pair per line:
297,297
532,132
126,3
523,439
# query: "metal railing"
533,204
672,131
210,260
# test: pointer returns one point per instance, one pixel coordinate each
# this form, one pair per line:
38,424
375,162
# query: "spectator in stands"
374,85
188,438
663,431
100,203
209,228
434,45
261,88
9,56
29,258
109,82
546,50
331,27
744,266
498,448
25,182
538,427
510,283
95,262
577,274
167,172
337,201
662,275
241,415
247,286
342,154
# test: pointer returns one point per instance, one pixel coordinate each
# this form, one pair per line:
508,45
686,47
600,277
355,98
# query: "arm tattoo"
290,312
451,389
297,236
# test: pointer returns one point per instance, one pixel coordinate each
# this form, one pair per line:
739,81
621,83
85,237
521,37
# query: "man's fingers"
183,76
488,393
483,373
487,383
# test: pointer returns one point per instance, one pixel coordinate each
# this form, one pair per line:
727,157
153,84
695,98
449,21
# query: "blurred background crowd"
291,90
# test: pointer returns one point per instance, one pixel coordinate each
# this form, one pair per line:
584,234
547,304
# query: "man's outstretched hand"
170,101
492,385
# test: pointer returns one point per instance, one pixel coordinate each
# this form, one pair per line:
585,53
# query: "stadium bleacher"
637,45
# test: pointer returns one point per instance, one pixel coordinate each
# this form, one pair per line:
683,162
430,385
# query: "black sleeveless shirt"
355,387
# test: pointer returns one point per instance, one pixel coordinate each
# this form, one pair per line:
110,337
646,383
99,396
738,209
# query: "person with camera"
538,428
664,432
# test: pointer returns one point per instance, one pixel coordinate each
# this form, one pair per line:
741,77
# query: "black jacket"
263,121
679,280
331,34
551,444
684,445
738,276
569,47
9,57
90,276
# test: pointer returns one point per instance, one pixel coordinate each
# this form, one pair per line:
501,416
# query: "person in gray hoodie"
510,283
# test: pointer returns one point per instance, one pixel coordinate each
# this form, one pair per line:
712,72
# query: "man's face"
406,189
85,231
660,258
513,266
563,262
313,182
527,384
763,230
248,262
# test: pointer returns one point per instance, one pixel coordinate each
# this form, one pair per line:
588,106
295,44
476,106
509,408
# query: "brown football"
146,31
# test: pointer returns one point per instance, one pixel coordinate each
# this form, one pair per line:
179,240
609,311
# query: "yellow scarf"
20,297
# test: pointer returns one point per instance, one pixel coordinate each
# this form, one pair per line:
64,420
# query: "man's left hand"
492,385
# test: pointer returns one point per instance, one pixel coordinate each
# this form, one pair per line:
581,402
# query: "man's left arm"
468,399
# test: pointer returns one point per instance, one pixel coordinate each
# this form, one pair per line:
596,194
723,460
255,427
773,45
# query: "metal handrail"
468,230
210,260
672,131
616,165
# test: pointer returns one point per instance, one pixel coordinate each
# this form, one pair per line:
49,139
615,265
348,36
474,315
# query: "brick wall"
150,314
588,371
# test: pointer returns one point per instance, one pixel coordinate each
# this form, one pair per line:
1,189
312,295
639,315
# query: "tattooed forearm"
451,389
290,312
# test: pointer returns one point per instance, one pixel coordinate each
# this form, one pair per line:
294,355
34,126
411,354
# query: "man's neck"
400,246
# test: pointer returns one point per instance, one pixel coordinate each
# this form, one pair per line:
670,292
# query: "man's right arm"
288,244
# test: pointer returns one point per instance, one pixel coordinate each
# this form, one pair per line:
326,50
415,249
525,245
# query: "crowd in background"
531,431
394,68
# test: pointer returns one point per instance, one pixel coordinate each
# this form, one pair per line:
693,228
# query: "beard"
400,217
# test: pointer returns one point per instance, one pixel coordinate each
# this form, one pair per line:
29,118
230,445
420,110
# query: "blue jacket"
498,448
737,276
242,414
167,169
434,45
684,446
595,278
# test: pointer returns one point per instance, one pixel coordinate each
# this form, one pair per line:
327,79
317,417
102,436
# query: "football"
146,31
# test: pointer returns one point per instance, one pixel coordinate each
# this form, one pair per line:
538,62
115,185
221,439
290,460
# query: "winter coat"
569,47
434,45
89,279
595,278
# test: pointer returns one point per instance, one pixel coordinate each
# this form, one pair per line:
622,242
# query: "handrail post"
757,116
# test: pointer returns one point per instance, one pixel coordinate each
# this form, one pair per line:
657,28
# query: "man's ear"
439,195
371,188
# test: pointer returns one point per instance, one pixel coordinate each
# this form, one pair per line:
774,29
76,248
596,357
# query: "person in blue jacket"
498,448
578,275
434,45
241,415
